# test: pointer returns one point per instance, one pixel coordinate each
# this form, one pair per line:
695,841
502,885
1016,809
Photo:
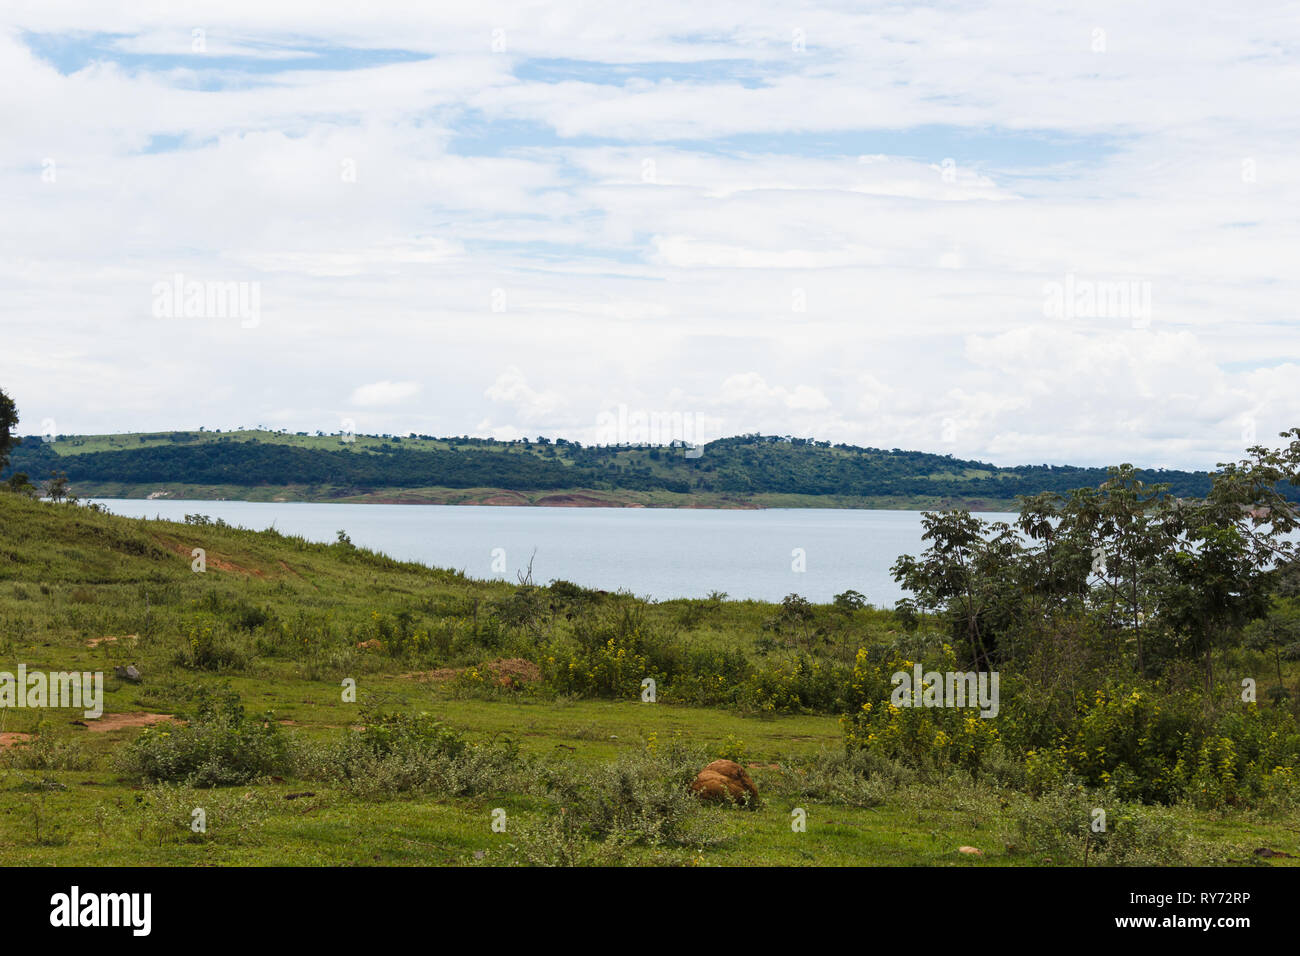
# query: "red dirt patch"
221,564
576,501
12,739
505,498
116,721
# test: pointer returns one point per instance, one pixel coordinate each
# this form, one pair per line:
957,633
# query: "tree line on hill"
743,465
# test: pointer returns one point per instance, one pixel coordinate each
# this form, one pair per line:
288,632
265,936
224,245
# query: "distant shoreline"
508,498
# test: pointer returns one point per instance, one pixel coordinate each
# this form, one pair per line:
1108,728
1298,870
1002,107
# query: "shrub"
615,668
918,736
802,685
165,814
1060,825
1160,748
403,753
47,752
218,745
207,650
560,840
855,778
642,798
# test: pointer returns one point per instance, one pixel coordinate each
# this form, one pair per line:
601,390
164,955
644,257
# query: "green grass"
69,575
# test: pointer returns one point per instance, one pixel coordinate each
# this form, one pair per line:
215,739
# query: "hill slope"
745,471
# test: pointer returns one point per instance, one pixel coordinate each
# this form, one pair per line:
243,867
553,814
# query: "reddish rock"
725,781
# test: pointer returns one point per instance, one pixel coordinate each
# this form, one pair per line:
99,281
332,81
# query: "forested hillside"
741,466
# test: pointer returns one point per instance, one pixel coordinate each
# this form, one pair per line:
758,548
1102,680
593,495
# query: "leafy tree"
969,570
19,483
1125,558
8,422
1230,550
850,601
56,489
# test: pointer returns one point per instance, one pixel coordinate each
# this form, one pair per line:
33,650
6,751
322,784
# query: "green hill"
745,471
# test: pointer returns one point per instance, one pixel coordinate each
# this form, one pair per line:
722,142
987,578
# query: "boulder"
128,673
725,781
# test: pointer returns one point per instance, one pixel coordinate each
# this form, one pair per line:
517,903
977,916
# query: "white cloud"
385,393
751,390
532,406
848,240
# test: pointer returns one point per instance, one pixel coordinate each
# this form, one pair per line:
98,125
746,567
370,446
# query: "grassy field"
285,623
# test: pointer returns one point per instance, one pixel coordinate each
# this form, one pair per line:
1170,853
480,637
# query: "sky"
1022,233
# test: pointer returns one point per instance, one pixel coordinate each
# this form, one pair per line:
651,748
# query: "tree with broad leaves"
969,570
1230,549
8,422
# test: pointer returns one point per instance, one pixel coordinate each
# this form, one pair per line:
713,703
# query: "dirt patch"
514,670
504,498
116,721
109,639
8,740
221,564
576,501
506,672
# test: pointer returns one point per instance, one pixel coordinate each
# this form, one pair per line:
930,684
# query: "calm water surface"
654,553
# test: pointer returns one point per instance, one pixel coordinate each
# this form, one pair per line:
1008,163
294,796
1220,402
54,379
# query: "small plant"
48,752
166,813
207,650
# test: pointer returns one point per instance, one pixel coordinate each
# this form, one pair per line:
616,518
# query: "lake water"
657,553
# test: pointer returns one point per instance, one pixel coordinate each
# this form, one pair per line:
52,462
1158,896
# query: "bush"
217,746
560,840
615,668
165,814
402,753
856,778
206,650
47,752
1060,825
927,737
804,685
1162,748
641,798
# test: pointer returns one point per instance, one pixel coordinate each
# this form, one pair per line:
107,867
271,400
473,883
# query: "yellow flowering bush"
612,669
879,722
